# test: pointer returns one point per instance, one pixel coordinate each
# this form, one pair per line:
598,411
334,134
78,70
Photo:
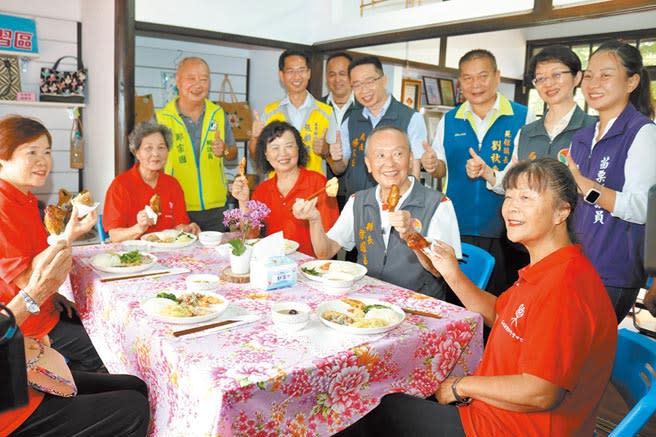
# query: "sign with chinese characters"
18,36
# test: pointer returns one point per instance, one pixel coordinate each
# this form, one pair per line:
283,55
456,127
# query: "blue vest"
615,246
478,209
398,264
356,176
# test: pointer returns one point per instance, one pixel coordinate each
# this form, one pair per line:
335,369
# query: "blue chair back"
477,264
634,375
102,234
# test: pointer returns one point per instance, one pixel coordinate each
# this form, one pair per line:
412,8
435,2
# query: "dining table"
255,379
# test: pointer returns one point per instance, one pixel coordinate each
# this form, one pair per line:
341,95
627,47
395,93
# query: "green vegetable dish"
310,271
165,295
134,258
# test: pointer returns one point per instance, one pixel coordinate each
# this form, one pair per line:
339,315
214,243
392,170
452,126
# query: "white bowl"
130,245
202,282
337,283
290,322
210,238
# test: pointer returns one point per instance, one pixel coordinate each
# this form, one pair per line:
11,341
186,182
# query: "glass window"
653,91
583,52
648,51
579,99
535,103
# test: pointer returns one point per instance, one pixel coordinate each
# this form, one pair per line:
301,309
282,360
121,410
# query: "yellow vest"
315,126
201,177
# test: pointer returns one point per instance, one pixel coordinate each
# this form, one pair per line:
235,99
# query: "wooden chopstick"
421,313
139,275
204,327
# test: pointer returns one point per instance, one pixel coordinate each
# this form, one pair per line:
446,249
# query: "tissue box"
273,272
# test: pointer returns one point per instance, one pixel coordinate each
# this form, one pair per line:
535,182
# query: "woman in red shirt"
281,149
30,275
550,352
124,214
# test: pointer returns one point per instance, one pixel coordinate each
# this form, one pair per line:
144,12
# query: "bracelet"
460,401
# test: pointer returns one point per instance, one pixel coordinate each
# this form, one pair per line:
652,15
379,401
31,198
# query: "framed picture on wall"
447,92
432,90
411,93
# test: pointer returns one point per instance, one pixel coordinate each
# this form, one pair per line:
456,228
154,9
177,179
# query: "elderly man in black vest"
369,85
379,235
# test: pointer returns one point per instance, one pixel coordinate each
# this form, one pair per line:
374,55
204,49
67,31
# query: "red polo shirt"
22,237
557,323
129,193
282,218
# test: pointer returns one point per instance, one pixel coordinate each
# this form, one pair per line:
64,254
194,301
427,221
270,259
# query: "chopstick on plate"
138,275
203,328
421,313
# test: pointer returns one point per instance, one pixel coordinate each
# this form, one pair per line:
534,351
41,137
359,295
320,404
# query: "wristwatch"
460,401
30,303
592,196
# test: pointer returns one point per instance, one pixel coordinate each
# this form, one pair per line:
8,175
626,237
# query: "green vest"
201,177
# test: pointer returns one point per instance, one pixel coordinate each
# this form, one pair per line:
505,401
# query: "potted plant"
247,220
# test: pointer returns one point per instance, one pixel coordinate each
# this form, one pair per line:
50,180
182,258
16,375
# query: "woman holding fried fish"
144,199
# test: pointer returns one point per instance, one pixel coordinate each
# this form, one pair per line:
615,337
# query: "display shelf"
41,104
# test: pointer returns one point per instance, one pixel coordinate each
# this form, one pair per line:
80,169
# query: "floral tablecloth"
255,380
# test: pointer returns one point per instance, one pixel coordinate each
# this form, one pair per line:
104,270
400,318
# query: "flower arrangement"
250,218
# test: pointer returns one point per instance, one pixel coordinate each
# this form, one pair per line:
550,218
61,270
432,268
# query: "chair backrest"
634,375
102,234
477,264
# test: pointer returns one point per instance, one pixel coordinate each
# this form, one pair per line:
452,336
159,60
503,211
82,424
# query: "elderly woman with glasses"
125,214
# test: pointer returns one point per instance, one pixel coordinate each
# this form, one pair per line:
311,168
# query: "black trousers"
402,415
70,339
106,405
208,219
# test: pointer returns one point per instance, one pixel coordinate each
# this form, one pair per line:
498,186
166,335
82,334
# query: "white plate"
291,246
338,305
155,305
99,262
357,271
168,234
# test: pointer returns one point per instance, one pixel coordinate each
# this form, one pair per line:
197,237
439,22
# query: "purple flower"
252,218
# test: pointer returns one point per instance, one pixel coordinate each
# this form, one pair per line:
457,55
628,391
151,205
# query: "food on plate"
360,315
310,271
165,295
332,187
64,198
242,167
393,198
354,303
288,312
54,219
325,266
416,241
337,317
155,204
126,259
189,305
181,237
84,198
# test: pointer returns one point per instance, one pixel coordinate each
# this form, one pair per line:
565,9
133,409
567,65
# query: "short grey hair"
142,130
191,59
381,128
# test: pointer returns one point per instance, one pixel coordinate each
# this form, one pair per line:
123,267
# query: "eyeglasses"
367,83
299,71
556,77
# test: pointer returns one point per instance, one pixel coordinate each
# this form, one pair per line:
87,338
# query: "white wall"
265,86
57,36
98,54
